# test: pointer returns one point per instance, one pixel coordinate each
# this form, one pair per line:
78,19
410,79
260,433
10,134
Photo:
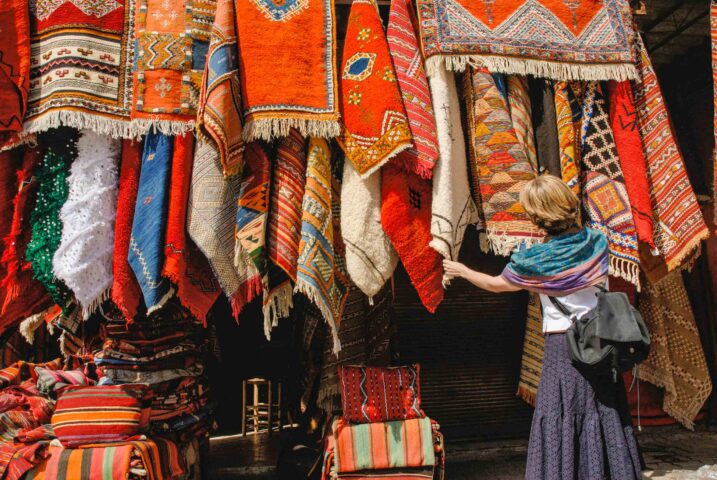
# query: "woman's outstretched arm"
496,284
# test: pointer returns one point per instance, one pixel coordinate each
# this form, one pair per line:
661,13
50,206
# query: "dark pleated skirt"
582,428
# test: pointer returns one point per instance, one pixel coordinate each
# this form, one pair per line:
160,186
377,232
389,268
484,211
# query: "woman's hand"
453,269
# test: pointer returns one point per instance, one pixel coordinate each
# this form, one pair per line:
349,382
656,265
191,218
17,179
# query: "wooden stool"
264,413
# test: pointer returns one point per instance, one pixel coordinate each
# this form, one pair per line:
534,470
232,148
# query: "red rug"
14,64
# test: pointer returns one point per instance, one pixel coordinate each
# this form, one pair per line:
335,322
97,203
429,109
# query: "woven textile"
568,136
284,230
411,77
184,264
713,35
126,293
499,166
303,91
14,66
380,394
211,217
531,362
379,446
676,361
10,163
317,277
81,66
375,126
50,381
20,294
83,259
588,40
89,414
219,113
604,194
171,39
452,208
406,218
22,453
52,193
521,115
545,124
624,124
146,245
679,227
370,257
250,255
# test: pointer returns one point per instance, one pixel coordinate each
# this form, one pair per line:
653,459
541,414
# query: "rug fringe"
687,250
278,305
270,128
28,326
654,379
313,295
537,68
625,269
528,395
386,159
139,127
19,139
88,310
503,243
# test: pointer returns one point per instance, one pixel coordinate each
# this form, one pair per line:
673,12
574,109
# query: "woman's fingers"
452,269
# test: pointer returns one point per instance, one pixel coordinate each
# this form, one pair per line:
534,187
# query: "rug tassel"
88,310
30,325
504,244
528,395
625,269
277,306
270,128
313,295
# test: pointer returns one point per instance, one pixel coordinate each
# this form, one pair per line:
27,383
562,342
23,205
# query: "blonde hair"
550,204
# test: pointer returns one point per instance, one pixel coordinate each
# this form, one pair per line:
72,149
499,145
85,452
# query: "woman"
581,427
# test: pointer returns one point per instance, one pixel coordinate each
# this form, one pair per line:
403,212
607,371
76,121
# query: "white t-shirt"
578,303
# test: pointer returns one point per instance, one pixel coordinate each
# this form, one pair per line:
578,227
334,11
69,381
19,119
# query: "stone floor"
671,453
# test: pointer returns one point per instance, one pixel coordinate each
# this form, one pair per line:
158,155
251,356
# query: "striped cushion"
376,394
49,381
101,414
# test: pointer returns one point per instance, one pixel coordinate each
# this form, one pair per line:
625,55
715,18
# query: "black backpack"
611,338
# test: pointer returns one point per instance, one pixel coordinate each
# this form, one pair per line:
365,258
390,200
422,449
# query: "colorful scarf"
171,41
521,115
81,66
545,122
14,65
250,256
370,257
83,260
679,227
20,294
184,264
146,245
126,293
568,135
219,112
284,228
211,217
604,193
316,274
411,77
52,193
499,166
623,120
588,40
375,126
452,208
677,361
531,363
303,91
406,219
564,265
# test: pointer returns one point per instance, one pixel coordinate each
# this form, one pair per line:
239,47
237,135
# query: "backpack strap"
561,307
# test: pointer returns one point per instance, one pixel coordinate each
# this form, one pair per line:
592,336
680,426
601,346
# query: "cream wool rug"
370,256
453,207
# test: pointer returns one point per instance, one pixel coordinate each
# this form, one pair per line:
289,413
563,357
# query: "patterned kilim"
303,91
677,361
211,217
406,218
126,294
531,363
582,40
520,114
284,229
172,40
14,66
316,277
375,126
679,227
568,136
604,194
631,153
411,77
219,112
81,61
370,257
250,253
499,165
184,264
